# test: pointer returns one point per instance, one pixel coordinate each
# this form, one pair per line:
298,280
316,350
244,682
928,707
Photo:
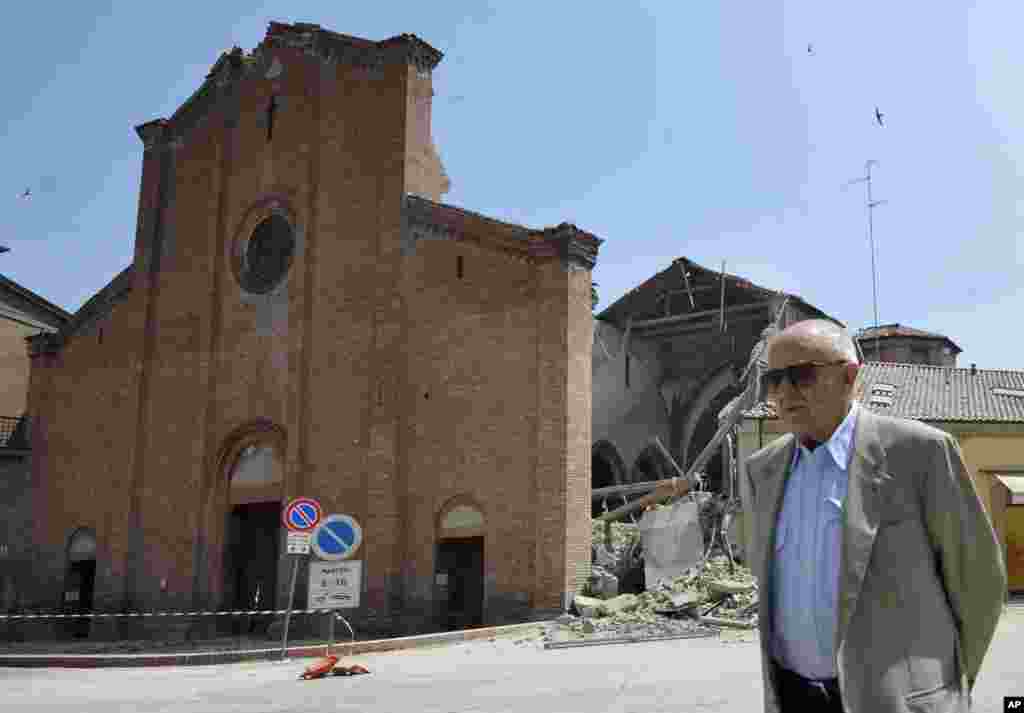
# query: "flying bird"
27,194
810,48
878,117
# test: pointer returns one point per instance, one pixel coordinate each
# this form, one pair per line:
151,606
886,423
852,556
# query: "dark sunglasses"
799,375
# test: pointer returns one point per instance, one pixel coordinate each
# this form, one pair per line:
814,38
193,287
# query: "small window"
627,370
271,111
459,267
101,335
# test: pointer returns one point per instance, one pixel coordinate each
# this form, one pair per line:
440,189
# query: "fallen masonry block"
603,558
604,584
685,599
725,586
589,607
620,604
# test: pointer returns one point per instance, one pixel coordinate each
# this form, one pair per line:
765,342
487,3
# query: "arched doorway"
706,428
459,565
253,530
606,470
80,580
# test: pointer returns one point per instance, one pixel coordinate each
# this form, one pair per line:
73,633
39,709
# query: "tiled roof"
46,315
934,393
899,330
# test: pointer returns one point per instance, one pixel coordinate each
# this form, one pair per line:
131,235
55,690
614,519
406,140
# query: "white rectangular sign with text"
335,585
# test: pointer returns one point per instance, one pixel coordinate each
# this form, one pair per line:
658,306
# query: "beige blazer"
922,579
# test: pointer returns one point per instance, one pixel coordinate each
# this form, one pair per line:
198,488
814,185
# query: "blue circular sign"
337,537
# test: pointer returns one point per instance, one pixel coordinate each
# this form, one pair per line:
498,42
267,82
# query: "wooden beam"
703,326
686,280
644,486
679,318
722,318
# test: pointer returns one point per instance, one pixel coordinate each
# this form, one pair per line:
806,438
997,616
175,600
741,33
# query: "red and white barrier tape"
183,613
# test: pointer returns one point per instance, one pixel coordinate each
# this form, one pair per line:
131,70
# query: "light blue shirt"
808,544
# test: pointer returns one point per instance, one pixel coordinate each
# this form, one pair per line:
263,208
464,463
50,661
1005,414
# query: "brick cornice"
330,48
577,249
152,132
45,343
333,47
425,219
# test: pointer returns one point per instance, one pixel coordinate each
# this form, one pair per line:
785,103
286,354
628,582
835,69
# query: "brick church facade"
303,317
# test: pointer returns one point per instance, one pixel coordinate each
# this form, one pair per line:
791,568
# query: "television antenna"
871,205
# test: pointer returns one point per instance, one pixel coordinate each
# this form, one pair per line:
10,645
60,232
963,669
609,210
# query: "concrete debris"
625,537
678,607
685,599
672,541
726,586
603,583
621,604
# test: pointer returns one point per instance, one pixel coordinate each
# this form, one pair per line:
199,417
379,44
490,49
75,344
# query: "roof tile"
934,393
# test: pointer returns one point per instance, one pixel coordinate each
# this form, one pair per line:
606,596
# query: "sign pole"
301,516
288,614
330,634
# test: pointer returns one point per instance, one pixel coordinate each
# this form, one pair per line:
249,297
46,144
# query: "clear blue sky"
702,130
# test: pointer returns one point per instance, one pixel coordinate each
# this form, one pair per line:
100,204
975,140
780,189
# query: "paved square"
487,677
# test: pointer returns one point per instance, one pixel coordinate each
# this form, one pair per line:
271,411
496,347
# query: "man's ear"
851,371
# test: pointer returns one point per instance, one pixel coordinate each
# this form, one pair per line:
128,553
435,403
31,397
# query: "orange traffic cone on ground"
319,668
351,670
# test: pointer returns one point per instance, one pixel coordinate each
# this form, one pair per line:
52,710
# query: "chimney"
974,369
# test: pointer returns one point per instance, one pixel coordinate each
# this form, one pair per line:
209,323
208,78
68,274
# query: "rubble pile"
625,535
727,595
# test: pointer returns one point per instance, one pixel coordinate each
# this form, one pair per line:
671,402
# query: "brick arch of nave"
702,420
606,469
210,538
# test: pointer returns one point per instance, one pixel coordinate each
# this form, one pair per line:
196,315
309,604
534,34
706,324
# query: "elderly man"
882,580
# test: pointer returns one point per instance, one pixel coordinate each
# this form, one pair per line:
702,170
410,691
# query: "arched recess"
606,469
650,464
702,421
718,380
80,579
243,521
461,516
459,563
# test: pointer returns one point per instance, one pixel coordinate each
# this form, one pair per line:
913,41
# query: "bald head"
827,340
813,402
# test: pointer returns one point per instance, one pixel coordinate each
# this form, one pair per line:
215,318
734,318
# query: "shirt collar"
840,442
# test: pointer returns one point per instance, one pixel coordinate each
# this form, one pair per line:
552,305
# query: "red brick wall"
340,361
83,405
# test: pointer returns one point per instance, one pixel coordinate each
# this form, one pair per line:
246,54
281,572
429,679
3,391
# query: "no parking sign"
302,515
337,537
